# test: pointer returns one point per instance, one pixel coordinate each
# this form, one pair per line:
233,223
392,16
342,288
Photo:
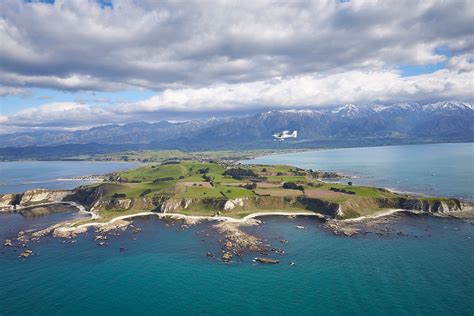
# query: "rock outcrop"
267,260
38,196
8,201
68,232
11,202
229,205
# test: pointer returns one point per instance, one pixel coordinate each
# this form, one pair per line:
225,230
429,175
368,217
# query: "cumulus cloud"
301,91
224,57
79,45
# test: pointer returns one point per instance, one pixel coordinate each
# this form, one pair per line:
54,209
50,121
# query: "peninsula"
230,193
213,188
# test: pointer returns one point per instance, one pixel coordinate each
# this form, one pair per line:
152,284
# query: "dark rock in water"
267,260
26,253
226,256
210,255
277,250
122,249
284,241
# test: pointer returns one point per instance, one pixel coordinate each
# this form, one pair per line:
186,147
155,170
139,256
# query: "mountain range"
348,125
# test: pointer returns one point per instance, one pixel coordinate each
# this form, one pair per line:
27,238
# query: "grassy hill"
208,188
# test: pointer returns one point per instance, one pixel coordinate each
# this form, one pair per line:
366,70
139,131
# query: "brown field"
322,193
278,192
267,185
233,184
194,184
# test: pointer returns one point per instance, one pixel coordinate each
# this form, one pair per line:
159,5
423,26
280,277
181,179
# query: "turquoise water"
164,270
19,176
12,223
434,169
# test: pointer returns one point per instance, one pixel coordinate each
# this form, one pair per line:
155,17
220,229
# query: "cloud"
301,91
79,45
6,91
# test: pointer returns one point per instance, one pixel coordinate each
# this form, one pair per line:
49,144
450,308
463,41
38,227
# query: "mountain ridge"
440,121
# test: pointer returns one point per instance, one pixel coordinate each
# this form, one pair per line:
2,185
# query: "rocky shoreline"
234,242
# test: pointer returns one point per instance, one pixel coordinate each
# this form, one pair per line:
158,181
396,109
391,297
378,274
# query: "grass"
209,200
360,191
153,172
134,190
200,192
286,178
235,192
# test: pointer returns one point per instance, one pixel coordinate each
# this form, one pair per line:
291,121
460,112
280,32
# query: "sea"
19,176
430,169
164,269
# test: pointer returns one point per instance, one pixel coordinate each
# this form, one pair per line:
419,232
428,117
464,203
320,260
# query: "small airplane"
281,136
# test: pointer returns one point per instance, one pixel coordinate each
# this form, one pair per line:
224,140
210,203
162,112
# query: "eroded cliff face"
431,205
8,200
319,206
358,207
38,196
93,198
32,197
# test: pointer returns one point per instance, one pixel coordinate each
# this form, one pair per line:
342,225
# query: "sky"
75,64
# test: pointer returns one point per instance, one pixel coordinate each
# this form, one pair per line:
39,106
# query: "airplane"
281,136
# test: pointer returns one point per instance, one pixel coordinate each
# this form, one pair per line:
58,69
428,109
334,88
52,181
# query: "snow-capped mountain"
441,121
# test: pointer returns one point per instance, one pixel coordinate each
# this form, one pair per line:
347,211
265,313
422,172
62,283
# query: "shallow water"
164,270
433,169
12,223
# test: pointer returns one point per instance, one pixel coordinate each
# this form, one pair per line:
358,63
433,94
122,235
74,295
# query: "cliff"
33,197
96,198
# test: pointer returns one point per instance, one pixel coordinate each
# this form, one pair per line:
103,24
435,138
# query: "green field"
207,186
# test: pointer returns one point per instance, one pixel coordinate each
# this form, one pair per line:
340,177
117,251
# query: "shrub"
292,186
118,195
203,171
163,179
171,162
240,173
341,190
145,192
250,186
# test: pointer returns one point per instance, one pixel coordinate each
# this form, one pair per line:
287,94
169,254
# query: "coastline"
190,219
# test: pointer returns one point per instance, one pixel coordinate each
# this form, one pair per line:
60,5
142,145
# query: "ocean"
19,176
431,169
163,269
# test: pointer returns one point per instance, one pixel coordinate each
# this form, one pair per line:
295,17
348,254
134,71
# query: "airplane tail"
294,134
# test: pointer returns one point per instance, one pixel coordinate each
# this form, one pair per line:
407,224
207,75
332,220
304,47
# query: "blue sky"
39,96
148,60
